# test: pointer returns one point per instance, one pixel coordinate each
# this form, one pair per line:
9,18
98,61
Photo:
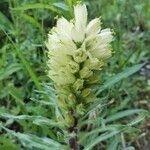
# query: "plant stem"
73,141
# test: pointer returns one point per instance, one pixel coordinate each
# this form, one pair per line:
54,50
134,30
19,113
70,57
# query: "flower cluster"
77,53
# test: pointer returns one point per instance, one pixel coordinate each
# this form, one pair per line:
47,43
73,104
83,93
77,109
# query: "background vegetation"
26,97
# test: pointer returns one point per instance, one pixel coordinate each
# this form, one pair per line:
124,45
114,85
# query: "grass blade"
98,130
36,6
100,139
32,21
61,6
5,73
14,92
127,72
114,141
123,114
5,24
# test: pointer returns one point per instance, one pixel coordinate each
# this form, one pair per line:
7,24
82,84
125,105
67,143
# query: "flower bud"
80,109
61,102
86,92
93,79
79,56
85,72
90,98
73,67
71,100
69,120
78,84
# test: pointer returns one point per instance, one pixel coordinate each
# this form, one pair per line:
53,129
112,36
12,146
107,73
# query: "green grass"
27,101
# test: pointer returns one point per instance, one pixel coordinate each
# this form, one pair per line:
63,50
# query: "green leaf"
85,135
5,24
129,148
123,114
25,63
114,141
32,20
112,130
41,102
16,95
70,4
138,119
61,6
36,6
34,142
8,144
127,72
38,120
99,103
6,72
100,138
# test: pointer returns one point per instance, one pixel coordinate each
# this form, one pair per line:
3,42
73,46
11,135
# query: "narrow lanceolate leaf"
7,71
39,120
17,96
114,141
109,128
127,72
34,142
5,24
97,104
36,6
138,119
33,21
100,139
123,114
61,6
113,130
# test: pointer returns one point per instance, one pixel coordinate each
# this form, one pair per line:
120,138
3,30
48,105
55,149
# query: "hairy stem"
73,141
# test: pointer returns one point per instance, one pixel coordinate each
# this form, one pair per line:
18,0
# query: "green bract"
77,53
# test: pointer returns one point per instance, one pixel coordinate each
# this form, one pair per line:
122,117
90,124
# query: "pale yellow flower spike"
77,53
